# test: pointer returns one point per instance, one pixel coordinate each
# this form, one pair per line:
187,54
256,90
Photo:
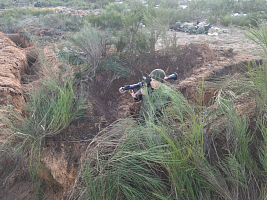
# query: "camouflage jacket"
153,102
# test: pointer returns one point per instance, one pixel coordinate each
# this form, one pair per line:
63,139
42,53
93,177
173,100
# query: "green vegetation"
107,19
194,153
180,158
90,41
50,109
20,12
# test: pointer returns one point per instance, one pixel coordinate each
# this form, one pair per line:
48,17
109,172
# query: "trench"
31,72
20,41
108,106
209,94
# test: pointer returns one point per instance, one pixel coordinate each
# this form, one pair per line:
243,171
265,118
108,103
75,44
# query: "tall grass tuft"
259,36
55,106
238,166
50,109
90,41
125,161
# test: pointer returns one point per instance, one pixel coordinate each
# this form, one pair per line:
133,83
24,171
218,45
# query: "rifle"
145,80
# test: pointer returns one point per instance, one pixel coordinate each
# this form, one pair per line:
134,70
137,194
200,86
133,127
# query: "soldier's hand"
134,95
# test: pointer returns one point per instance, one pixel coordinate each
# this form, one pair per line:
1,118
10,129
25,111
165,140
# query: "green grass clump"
90,41
127,166
259,36
51,109
55,106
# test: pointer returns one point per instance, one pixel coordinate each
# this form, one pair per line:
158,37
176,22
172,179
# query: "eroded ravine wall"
13,62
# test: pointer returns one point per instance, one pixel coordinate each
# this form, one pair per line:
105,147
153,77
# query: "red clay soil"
61,156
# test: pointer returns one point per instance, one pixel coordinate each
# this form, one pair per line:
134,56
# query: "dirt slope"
14,181
13,62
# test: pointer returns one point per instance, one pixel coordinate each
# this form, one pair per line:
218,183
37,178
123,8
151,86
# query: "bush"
55,106
9,24
18,18
62,21
118,7
107,19
90,41
226,20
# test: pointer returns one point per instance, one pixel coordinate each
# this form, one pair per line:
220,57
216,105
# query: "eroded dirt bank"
14,178
199,56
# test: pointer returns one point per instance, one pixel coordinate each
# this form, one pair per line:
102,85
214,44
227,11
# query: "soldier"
191,29
176,26
154,98
185,27
37,4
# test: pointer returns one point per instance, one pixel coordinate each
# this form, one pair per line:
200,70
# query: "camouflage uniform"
185,27
176,26
153,102
191,29
200,30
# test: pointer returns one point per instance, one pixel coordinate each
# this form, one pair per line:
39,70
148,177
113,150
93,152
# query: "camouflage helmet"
185,27
178,24
191,29
200,30
158,74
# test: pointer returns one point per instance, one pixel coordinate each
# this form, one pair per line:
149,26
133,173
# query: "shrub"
259,36
226,20
90,41
18,18
62,21
121,42
142,44
9,24
118,7
107,19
